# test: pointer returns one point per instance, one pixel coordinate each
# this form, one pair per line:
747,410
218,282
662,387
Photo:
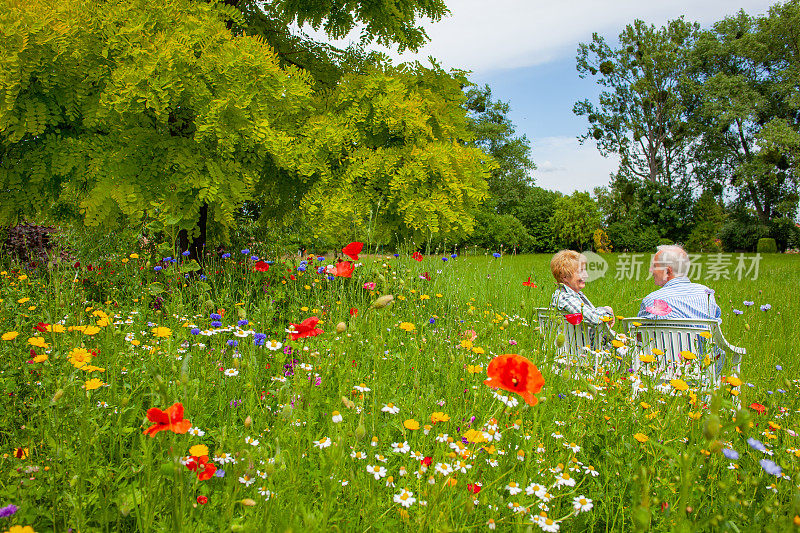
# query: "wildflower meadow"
375,392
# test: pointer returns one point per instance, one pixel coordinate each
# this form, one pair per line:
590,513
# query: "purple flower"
156,268
195,331
512,342
748,303
243,322
219,473
320,258
710,292
737,312
216,324
778,367
496,255
766,307
232,342
226,255
254,258
216,316
432,320
245,251
770,467
730,454
186,253
756,444
8,510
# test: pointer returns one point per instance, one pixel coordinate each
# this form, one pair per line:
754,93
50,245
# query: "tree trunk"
198,244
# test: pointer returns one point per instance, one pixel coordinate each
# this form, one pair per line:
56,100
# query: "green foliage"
493,232
767,245
493,132
574,220
708,217
642,114
741,230
535,211
627,236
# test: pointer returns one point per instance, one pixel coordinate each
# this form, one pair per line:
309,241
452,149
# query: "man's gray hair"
672,255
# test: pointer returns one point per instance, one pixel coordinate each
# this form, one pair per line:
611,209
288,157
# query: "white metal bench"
582,344
670,337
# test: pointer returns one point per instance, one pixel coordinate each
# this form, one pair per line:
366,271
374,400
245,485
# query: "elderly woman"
569,270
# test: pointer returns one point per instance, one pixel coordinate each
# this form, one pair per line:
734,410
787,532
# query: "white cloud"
569,166
502,34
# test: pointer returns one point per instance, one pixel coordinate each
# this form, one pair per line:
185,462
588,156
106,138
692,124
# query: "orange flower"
205,470
306,328
514,373
171,419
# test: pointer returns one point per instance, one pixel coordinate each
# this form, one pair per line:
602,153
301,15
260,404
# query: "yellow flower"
198,450
103,322
38,342
474,369
79,357
617,344
636,324
134,256
466,344
91,330
10,335
641,437
411,424
424,297
645,405
92,368
161,332
438,295
734,381
20,529
94,383
41,358
686,354
475,436
124,259
439,417
647,358
679,384
656,351
705,334
695,415
406,326
55,328
23,300
478,350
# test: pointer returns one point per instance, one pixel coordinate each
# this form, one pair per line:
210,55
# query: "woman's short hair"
565,263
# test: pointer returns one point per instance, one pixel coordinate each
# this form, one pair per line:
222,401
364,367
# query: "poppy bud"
361,431
247,502
715,446
236,364
341,327
269,469
248,422
57,396
382,302
505,323
560,340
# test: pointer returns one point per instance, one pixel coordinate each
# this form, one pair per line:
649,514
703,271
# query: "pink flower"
370,285
512,342
469,334
659,308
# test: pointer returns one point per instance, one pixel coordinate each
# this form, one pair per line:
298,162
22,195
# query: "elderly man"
678,297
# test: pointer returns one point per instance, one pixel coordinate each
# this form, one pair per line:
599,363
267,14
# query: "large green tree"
641,116
116,110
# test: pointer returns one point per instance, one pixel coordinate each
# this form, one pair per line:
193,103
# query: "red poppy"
416,256
529,283
354,311
758,408
41,326
202,500
353,249
425,276
474,488
261,266
171,419
514,373
306,328
344,269
205,470
574,318
426,461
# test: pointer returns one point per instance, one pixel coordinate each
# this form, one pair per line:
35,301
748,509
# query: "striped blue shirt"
685,299
568,302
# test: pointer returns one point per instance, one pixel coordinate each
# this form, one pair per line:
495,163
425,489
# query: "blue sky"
525,51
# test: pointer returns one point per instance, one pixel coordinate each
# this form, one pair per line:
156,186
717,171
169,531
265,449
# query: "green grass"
89,467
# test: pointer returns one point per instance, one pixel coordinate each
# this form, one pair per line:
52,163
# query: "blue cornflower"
710,292
259,338
445,259
770,467
496,254
301,268
167,259
432,320
216,324
397,255
226,255
243,322
202,276
246,251
321,270
216,316
769,392
232,342
157,268
778,367
320,258
195,331
253,258
733,455
219,473
331,278
737,312
782,391
756,444
186,253
453,255
748,303
766,307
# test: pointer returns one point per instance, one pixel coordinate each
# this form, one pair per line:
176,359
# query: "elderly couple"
677,298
